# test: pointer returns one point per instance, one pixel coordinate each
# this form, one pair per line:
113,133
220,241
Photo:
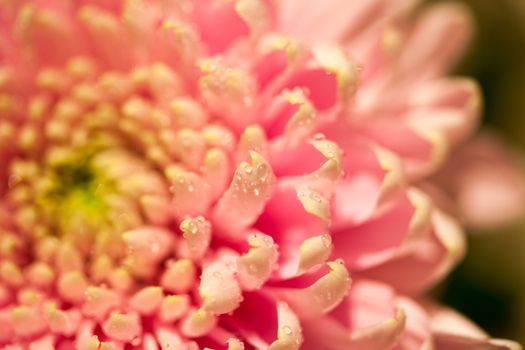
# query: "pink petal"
451,106
424,260
453,331
246,197
347,18
359,246
213,14
320,297
436,42
107,35
484,168
49,35
321,86
358,323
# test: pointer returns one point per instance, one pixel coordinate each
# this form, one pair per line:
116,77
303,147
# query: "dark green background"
489,286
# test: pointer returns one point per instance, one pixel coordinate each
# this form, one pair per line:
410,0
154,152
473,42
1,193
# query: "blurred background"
489,286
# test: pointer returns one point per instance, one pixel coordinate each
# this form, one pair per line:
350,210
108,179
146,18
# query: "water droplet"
217,274
256,191
315,197
248,170
319,137
327,240
262,172
192,227
287,330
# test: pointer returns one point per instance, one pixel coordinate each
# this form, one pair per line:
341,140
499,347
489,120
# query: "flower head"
208,174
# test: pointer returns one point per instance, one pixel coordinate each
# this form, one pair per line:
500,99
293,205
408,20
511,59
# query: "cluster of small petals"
208,174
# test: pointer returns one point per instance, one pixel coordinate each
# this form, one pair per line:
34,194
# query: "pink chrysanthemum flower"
208,174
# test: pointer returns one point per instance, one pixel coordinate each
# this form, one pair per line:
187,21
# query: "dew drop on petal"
327,240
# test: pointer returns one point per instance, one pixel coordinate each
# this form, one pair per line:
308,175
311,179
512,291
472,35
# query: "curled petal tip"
219,289
314,251
197,233
256,266
244,200
382,335
289,333
314,203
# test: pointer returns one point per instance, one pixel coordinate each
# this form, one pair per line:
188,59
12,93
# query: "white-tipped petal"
380,336
327,148
252,139
122,327
198,323
303,122
394,179
314,203
219,289
322,296
147,300
422,218
99,302
256,266
169,338
244,200
216,171
289,333
179,276
188,113
156,208
150,244
334,59
235,344
174,307
314,251
190,193
197,233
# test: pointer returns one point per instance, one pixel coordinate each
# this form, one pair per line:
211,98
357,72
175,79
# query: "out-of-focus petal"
485,178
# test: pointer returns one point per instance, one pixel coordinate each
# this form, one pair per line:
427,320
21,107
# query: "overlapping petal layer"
227,174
